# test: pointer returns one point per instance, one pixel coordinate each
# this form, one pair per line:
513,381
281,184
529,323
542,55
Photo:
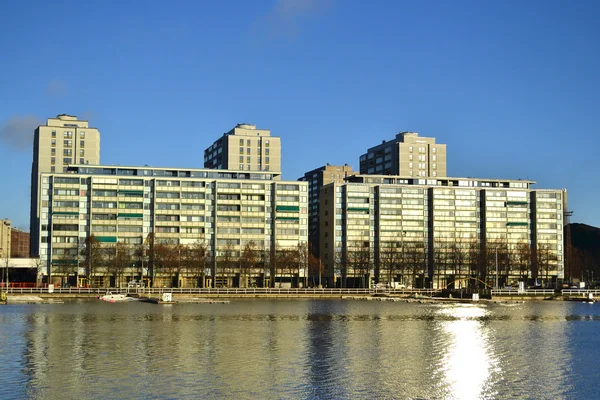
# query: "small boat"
116,297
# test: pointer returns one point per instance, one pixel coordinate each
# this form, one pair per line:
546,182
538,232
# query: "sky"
511,87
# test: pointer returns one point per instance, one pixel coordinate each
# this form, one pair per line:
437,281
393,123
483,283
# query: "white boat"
115,297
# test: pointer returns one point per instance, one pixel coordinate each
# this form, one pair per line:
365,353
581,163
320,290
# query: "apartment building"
408,154
441,232
5,239
63,141
316,179
246,224
245,148
20,241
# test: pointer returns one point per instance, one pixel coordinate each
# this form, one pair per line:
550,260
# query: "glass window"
248,142
82,143
52,169
53,152
266,143
241,150
266,160
81,152
248,150
52,160
82,135
241,142
53,134
81,161
53,142
248,159
241,159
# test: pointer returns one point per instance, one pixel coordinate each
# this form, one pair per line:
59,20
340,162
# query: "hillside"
585,254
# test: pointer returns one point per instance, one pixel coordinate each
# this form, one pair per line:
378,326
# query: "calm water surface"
305,349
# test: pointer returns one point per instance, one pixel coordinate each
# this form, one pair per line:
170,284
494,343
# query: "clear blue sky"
512,87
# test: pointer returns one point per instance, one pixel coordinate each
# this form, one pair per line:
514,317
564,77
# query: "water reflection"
298,349
467,359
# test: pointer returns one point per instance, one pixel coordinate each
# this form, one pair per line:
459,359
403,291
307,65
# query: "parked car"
135,284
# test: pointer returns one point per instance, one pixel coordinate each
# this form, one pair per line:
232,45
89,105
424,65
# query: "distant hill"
585,254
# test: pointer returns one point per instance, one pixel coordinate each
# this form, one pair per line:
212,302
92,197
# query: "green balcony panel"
517,224
287,208
516,203
132,192
65,213
358,209
107,239
129,215
64,262
288,218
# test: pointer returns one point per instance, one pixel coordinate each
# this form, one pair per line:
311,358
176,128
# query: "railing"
528,292
580,292
228,291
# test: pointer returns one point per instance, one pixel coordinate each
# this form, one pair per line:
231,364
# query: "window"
249,167
266,143
68,134
242,165
81,161
52,169
53,134
81,152
248,150
241,142
267,152
248,142
68,143
241,159
53,142
434,166
67,152
248,159
434,149
410,149
53,160
434,158
82,143
53,152
241,150
266,160
82,135
67,160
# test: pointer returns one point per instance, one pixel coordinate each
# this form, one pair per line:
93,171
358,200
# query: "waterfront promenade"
73,292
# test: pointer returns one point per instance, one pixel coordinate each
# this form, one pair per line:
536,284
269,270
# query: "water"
299,349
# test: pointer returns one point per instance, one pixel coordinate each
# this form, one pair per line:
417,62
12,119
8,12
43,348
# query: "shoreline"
47,297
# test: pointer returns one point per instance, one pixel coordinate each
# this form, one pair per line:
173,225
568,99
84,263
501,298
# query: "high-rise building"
407,155
253,225
5,239
316,179
442,232
63,141
245,148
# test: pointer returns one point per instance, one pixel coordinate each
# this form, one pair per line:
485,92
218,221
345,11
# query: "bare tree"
227,260
522,259
416,259
195,260
359,261
120,258
248,262
315,269
92,257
